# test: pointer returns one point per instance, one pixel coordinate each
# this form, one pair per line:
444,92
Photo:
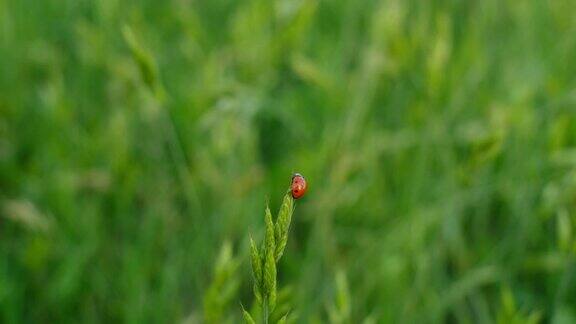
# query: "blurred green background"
140,141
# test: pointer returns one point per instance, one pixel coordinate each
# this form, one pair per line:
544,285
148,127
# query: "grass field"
141,140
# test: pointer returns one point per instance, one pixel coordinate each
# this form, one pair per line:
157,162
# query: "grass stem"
265,310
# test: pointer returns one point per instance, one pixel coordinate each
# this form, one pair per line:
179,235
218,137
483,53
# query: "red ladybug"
298,186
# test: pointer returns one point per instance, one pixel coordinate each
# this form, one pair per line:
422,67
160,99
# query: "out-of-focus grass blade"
145,62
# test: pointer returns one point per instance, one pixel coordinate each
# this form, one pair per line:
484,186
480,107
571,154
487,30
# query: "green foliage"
247,317
223,288
137,137
282,226
265,279
283,319
340,312
257,272
269,278
146,63
510,314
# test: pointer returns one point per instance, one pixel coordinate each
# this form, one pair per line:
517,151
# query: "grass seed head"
270,261
256,260
247,317
283,224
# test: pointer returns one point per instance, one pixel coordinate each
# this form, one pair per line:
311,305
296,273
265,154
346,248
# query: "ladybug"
298,186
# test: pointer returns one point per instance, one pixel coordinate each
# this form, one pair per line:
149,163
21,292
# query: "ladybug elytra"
298,186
